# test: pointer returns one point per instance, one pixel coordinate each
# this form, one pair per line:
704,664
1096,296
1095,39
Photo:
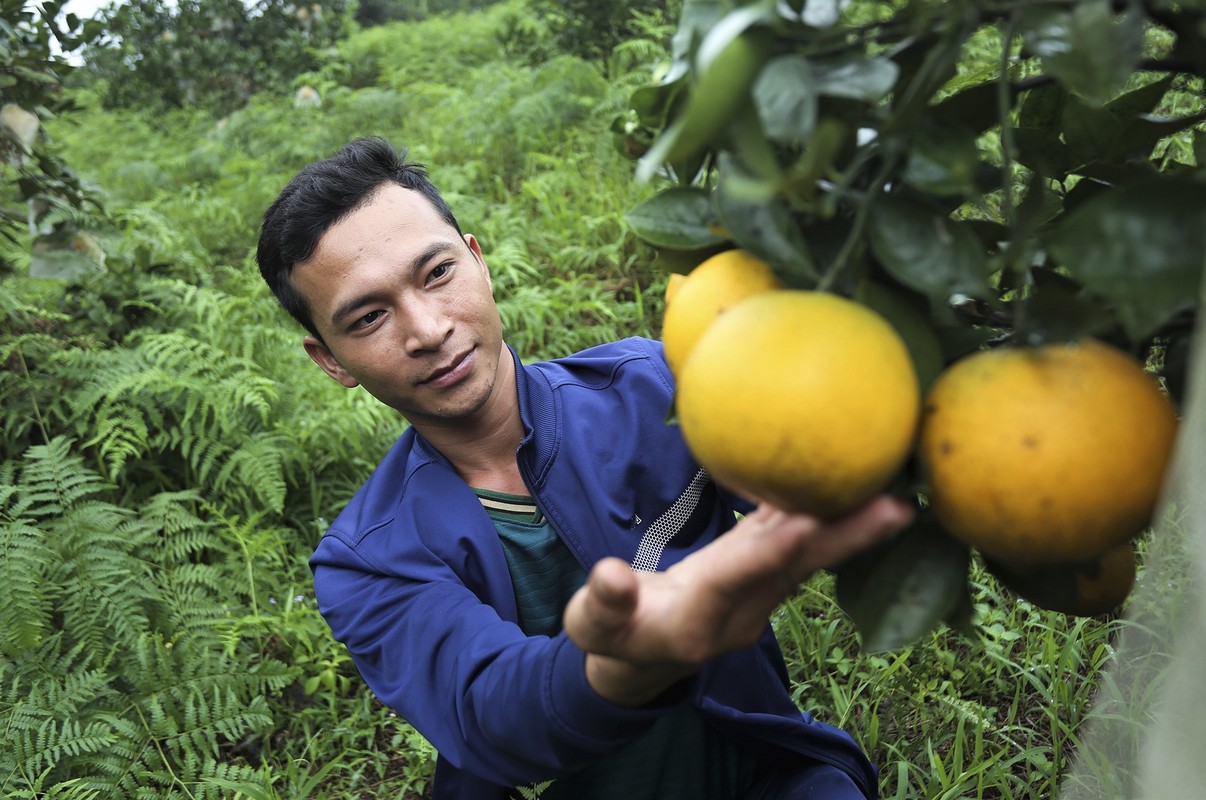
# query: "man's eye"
438,272
368,319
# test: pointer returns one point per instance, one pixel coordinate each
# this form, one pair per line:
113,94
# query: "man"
481,577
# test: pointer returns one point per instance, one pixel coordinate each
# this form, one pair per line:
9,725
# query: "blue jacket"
412,579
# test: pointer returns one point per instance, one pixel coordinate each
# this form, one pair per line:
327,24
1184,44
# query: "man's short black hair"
321,195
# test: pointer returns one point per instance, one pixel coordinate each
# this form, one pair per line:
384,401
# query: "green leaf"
1086,48
697,18
747,142
681,217
1037,206
925,65
653,103
728,61
1043,107
1199,146
911,322
829,143
1059,310
1082,191
765,226
1142,100
1088,131
897,592
628,135
1142,246
944,159
683,261
866,79
785,95
926,250
974,107
1140,134
1041,150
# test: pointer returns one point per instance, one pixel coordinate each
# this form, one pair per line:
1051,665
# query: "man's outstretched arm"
643,631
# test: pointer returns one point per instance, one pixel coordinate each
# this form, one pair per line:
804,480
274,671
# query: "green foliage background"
170,456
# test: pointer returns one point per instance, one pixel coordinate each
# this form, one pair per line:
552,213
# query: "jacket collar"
538,412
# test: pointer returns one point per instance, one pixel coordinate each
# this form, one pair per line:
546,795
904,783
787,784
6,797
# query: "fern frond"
188,608
257,468
31,391
35,749
182,536
27,601
274,675
164,675
220,716
72,789
54,480
111,588
223,780
8,484
205,455
251,332
233,383
122,434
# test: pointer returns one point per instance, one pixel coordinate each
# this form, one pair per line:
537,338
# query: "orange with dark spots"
1046,454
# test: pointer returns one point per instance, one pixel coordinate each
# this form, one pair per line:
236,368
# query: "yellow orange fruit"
1083,588
1043,454
705,293
673,283
804,399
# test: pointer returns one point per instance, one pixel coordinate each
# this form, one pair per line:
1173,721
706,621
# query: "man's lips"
450,372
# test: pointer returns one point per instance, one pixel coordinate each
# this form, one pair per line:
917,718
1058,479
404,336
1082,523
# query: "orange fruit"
1084,588
1043,454
804,399
673,283
707,292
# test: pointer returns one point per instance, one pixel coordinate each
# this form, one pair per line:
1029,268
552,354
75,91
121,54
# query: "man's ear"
324,358
476,249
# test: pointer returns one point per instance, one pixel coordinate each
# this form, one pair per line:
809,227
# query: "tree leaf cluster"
980,173
592,29
45,199
213,54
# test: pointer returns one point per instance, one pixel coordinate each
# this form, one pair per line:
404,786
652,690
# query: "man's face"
405,308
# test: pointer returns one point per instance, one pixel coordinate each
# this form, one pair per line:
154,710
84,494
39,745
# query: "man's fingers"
837,541
718,598
598,614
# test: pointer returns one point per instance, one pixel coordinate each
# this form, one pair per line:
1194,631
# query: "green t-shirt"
680,756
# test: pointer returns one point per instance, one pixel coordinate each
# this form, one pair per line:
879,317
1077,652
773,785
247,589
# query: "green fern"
111,590
534,791
51,742
171,395
129,693
26,607
54,480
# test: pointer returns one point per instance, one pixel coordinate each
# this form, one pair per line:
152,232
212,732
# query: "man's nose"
427,327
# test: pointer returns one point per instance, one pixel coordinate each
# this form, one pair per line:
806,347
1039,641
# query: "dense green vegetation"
170,455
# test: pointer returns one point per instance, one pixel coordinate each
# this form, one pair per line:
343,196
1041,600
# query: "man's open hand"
642,631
